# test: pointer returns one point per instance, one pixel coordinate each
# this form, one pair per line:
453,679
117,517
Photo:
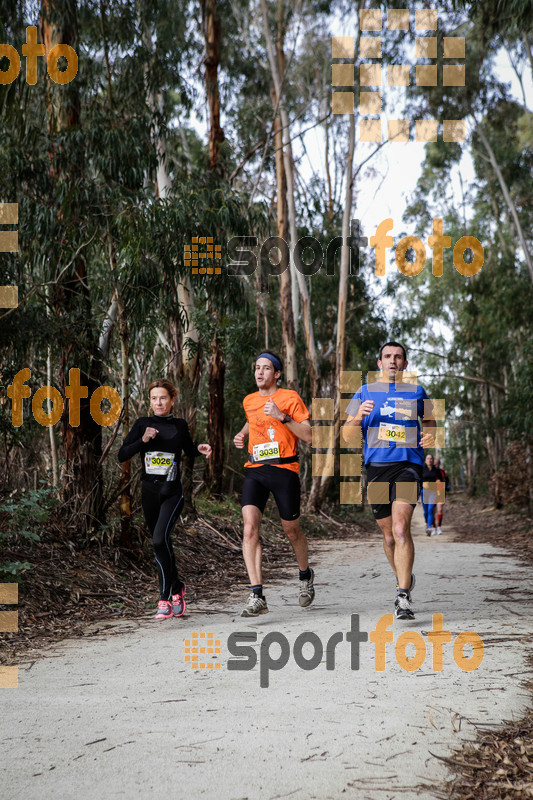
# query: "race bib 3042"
391,433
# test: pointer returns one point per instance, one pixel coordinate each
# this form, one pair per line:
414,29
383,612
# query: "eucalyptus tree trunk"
213,42
51,431
184,366
289,175
282,230
215,417
289,278
81,477
320,483
470,480
125,478
488,416
216,369
326,162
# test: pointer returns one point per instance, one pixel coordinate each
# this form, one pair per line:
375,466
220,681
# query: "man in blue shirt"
388,409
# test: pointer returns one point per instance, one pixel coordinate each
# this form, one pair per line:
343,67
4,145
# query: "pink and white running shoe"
164,610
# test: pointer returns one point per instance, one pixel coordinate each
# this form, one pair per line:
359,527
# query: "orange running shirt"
265,429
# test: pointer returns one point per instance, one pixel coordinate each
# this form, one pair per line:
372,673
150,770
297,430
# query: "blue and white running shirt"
392,430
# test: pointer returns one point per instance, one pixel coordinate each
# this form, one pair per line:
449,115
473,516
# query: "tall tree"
82,435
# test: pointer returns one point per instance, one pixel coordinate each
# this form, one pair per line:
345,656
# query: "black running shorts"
283,483
396,472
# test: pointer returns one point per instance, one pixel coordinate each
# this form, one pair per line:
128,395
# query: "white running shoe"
306,594
402,606
255,606
439,531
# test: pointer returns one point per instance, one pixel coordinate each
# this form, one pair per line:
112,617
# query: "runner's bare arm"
428,437
348,434
238,439
301,429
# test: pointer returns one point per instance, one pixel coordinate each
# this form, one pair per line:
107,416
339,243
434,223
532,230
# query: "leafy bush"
19,517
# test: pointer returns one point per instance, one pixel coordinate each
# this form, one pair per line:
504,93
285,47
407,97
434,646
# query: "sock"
258,590
402,591
305,574
439,520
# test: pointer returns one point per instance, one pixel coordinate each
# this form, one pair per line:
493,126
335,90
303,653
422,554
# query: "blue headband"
272,358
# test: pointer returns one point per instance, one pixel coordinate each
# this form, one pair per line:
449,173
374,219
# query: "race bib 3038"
265,451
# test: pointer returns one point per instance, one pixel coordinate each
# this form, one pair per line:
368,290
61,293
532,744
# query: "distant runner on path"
160,440
275,420
388,410
430,477
445,484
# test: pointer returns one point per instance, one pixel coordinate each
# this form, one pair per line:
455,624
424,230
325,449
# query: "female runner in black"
160,440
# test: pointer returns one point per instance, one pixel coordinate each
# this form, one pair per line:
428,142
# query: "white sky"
388,183
398,167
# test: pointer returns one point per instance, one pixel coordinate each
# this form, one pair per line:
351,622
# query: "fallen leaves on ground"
499,765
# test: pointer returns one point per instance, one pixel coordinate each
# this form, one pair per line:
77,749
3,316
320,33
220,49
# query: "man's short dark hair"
267,353
392,344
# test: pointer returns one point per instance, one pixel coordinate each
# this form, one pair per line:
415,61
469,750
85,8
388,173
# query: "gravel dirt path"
122,715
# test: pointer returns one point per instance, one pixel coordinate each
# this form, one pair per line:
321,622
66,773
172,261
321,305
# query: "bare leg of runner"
388,540
298,539
251,544
402,551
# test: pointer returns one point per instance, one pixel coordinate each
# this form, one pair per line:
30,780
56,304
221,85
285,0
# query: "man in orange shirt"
275,420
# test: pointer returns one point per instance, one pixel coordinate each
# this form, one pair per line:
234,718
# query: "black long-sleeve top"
173,438
431,475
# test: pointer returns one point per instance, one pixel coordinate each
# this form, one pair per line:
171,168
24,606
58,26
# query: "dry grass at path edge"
499,764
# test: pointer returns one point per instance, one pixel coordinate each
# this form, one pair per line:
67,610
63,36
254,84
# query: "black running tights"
161,510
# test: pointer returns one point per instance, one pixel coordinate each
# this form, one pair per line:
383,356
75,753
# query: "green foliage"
225,507
98,232
20,519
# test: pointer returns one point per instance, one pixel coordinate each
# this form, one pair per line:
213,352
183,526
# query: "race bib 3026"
156,463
